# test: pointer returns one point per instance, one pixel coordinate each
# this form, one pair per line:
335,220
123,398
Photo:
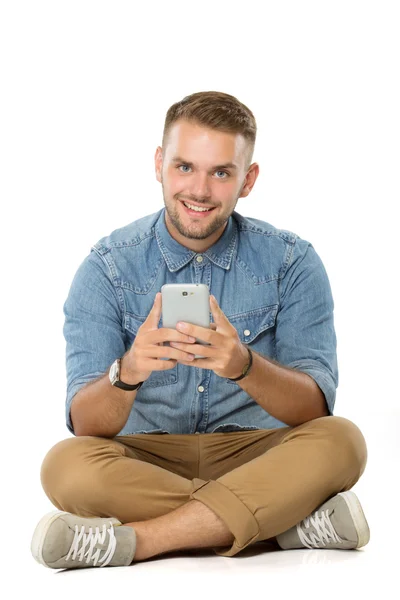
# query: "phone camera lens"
184,293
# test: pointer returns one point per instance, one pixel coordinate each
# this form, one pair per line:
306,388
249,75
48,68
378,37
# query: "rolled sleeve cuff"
72,391
321,377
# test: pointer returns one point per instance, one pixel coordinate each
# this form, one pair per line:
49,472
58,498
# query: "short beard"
196,234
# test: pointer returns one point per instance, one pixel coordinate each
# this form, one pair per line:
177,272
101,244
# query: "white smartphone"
189,302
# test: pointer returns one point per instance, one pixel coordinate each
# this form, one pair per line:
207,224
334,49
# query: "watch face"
114,372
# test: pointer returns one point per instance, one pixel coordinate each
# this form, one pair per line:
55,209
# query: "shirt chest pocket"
157,378
256,329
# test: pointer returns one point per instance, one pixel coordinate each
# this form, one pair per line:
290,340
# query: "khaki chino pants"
260,482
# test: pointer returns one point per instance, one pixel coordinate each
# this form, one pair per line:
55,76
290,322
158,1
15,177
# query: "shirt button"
200,388
199,258
246,332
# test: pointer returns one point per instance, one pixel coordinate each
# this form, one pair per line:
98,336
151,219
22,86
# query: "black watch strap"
114,375
127,386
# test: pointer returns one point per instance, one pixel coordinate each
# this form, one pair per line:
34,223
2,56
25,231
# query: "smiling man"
202,169
172,452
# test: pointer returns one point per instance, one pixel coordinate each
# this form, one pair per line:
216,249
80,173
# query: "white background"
84,91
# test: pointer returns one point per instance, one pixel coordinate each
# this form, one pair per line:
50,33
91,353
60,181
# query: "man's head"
205,158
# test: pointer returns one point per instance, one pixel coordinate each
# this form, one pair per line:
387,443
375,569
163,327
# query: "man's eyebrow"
229,165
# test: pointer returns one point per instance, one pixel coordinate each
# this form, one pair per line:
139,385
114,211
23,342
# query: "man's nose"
200,186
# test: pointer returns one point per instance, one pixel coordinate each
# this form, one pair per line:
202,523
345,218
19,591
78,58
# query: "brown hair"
215,110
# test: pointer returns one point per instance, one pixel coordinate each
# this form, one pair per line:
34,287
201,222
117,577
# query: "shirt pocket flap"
250,324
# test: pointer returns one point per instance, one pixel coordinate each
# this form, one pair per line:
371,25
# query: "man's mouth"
198,211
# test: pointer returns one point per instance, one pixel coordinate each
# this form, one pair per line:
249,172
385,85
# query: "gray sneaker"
62,540
339,523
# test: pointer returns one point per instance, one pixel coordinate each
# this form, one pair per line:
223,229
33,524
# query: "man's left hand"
226,356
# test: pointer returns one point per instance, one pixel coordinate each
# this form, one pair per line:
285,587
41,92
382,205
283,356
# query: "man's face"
205,167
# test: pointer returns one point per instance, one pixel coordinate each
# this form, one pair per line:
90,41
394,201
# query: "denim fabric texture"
270,283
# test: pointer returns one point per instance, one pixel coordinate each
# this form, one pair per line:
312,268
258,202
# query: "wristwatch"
114,374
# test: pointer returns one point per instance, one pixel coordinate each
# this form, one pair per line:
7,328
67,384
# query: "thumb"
153,318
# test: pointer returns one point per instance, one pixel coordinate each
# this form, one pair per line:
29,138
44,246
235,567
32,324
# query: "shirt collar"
177,256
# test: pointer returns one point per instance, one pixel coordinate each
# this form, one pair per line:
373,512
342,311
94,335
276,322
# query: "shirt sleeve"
93,328
305,332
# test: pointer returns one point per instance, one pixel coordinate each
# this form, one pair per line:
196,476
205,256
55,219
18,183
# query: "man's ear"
250,180
158,163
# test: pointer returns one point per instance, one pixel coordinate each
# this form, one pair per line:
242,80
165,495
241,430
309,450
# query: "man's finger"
153,318
217,312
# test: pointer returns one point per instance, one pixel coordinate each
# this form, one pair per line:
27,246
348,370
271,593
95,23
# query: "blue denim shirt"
270,283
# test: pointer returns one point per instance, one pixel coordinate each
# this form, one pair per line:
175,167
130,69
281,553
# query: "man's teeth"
196,207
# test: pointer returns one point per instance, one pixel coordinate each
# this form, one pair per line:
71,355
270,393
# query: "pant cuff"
237,517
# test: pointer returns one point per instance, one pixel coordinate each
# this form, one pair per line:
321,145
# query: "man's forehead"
187,140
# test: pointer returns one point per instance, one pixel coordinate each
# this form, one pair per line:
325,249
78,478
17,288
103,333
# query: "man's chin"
196,230
194,235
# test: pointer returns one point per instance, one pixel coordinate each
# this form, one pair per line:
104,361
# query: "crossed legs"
268,489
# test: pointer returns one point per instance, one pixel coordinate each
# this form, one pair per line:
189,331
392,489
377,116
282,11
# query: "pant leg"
141,477
283,485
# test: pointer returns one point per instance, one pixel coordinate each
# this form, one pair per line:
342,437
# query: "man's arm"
300,384
288,395
94,337
101,409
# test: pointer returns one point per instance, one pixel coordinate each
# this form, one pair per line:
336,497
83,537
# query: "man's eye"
187,167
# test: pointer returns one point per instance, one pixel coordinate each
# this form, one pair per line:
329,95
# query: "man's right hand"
142,358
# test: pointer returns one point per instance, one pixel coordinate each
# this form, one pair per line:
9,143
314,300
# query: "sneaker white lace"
339,523
63,540
323,533
90,539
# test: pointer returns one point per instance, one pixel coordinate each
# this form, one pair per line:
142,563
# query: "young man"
270,461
